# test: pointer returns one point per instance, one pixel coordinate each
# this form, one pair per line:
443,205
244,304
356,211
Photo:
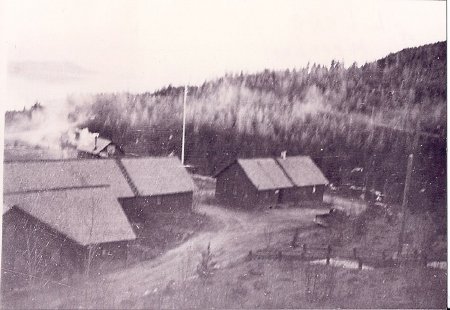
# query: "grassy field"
276,285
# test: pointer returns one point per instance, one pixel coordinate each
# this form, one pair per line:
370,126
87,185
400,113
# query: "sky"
56,48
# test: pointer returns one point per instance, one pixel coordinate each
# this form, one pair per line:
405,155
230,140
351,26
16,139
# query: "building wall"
234,188
300,194
32,248
140,209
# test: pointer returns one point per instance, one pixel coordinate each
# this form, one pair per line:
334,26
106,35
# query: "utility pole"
409,169
184,125
405,204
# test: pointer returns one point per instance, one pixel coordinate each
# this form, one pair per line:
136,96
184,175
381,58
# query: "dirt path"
236,234
239,233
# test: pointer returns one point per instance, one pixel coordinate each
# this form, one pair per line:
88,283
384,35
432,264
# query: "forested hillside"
344,117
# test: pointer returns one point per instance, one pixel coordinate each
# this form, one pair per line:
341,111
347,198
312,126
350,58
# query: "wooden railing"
308,252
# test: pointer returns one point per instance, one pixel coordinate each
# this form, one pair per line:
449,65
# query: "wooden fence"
314,252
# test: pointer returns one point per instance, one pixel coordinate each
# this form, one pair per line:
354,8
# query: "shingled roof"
37,175
158,175
86,215
264,173
302,171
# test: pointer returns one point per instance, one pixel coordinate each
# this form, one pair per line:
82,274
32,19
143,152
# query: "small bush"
205,269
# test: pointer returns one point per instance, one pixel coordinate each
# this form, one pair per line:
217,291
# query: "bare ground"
235,234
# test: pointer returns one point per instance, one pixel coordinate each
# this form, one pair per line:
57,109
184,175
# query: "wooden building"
160,184
251,182
142,185
56,232
309,182
270,181
99,147
72,205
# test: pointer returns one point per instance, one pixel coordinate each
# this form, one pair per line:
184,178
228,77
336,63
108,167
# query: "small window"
314,189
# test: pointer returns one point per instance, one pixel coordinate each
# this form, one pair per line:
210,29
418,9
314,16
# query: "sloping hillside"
345,117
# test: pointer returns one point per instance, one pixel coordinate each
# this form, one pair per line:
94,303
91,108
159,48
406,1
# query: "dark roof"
38,175
86,215
302,171
102,143
264,173
158,175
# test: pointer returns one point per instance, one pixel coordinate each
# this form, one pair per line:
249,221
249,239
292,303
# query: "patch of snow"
344,263
438,265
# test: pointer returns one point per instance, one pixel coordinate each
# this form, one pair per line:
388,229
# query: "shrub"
205,269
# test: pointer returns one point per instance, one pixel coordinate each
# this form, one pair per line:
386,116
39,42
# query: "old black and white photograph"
217,154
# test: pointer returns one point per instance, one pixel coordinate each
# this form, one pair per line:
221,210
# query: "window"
314,189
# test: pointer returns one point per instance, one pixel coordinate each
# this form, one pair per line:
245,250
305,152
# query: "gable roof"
37,175
158,175
102,143
302,171
86,215
264,173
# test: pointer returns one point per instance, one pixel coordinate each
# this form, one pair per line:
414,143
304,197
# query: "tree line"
344,117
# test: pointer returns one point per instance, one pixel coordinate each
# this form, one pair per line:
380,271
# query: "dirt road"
236,233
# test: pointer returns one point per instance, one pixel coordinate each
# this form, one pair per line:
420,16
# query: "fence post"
328,254
304,247
294,239
425,259
416,256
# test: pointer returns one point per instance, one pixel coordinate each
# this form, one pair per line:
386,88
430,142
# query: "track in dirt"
236,233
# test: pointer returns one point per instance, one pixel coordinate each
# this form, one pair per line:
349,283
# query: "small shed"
270,181
98,147
160,184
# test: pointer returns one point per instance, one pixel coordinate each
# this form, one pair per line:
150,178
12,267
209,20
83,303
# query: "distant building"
270,181
90,145
99,147
307,179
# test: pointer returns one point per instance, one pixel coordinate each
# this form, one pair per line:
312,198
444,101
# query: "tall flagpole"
184,125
